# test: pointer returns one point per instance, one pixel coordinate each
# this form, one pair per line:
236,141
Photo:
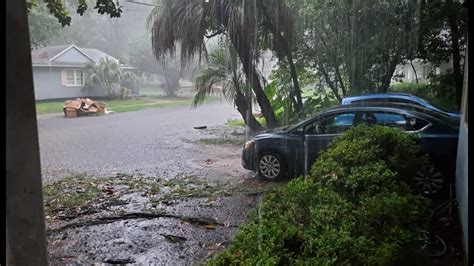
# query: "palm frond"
221,75
177,21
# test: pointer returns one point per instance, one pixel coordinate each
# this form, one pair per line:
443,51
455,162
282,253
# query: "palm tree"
223,71
190,21
106,75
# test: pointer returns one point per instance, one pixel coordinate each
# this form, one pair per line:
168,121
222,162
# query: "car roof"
382,95
404,96
420,112
407,106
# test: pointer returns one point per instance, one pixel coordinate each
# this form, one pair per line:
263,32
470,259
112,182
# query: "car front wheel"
429,182
271,166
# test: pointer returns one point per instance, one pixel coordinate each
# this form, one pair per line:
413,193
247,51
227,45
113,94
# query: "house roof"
47,56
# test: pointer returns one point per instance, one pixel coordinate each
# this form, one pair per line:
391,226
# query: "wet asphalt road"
156,142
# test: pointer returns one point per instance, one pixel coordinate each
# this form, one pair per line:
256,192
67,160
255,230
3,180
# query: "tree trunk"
262,99
456,54
244,51
296,85
339,77
172,83
414,71
282,43
330,83
388,77
245,110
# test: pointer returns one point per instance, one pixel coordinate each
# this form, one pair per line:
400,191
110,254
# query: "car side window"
384,119
415,123
331,124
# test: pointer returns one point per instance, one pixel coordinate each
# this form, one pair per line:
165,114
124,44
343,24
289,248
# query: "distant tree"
42,25
354,46
93,31
141,56
59,8
443,36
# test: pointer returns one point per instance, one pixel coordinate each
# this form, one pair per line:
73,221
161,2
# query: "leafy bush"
125,93
366,157
318,102
445,91
354,208
281,102
422,90
440,91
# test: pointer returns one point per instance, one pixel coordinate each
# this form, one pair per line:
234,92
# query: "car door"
319,133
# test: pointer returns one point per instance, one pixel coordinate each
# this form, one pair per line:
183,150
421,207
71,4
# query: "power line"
139,3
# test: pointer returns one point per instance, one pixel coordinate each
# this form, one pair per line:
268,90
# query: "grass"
235,123
241,123
222,141
120,106
69,193
149,90
77,195
49,107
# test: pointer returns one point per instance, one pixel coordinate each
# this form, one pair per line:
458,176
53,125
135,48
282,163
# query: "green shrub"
445,91
353,209
422,90
369,159
440,91
125,93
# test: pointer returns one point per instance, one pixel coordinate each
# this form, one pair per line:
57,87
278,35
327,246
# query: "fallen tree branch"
138,215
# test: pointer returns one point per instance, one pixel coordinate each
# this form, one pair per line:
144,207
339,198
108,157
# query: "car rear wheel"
429,182
271,166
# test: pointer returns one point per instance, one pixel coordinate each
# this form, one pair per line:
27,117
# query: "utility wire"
139,3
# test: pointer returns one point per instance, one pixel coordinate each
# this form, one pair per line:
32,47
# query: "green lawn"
49,107
158,91
241,123
119,105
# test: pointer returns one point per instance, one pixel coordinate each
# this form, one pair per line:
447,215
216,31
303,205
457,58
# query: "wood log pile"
83,106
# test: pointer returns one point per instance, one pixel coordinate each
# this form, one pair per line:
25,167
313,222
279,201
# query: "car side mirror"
298,131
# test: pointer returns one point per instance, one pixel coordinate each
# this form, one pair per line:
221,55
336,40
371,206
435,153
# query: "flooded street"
154,142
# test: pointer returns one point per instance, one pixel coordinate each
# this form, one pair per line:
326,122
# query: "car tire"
271,166
429,182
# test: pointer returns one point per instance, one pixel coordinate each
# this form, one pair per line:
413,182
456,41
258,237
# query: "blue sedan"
395,98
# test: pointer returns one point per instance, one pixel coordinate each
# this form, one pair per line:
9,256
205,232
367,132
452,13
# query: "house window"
74,77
